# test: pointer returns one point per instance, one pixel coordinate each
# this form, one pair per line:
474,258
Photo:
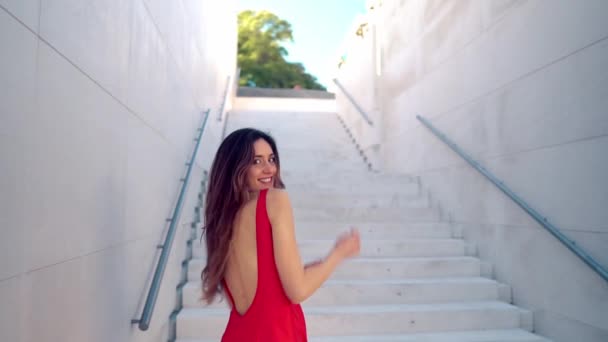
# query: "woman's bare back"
242,268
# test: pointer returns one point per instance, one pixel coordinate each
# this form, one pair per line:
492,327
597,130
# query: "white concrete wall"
99,106
523,87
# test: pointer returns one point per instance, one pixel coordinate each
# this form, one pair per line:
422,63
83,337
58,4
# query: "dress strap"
263,239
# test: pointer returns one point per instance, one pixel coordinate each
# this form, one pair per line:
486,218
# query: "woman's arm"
299,281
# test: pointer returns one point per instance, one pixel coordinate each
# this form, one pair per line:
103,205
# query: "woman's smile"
265,180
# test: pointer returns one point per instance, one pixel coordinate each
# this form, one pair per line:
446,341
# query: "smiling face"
263,169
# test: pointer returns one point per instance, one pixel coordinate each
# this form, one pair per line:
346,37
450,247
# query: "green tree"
261,56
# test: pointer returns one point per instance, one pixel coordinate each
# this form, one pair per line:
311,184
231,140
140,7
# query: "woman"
252,255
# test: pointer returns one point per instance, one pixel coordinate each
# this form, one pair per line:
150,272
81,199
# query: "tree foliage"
261,56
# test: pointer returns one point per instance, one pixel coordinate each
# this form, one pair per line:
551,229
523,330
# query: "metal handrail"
220,114
146,315
354,103
229,91
535,215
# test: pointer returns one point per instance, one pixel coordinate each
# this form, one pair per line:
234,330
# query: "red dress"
272,317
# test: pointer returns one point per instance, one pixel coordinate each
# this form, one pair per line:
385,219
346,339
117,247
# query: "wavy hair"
226,193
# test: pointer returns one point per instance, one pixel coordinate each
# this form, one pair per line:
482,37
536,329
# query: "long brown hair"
226,193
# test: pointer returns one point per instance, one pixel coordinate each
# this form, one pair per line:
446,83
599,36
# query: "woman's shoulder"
277,195
277,199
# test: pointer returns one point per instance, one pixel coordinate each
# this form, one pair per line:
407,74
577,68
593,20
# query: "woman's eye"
256,161
272,160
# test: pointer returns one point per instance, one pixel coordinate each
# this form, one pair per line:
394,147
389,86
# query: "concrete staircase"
416,278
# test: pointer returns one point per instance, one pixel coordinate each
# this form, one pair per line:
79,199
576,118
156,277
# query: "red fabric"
271,317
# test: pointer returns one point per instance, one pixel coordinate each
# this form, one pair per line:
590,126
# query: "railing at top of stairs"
229,89
590,261
144,321
354,103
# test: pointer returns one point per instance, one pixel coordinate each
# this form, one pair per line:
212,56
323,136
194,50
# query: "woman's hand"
348,244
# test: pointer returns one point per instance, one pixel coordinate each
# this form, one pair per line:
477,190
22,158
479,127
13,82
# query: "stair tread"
504,335
438,280
402,239
392,259
452,336
377,240
187,313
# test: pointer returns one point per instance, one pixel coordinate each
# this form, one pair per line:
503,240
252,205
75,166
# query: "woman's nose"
267,167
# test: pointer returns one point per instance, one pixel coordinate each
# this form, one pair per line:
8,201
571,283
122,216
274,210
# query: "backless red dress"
272,317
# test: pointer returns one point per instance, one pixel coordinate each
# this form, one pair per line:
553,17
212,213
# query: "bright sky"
319,27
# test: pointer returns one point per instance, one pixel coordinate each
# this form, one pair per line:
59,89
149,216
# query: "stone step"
371,176
391,248
311,249
349,186
388,268
302,198
395,268
396,291
309,171
303,171
319,230
359,176
317,150
407,291
306,200
510,335
323,230
332,214
370,319
354,187
315,143
388,199
346,156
